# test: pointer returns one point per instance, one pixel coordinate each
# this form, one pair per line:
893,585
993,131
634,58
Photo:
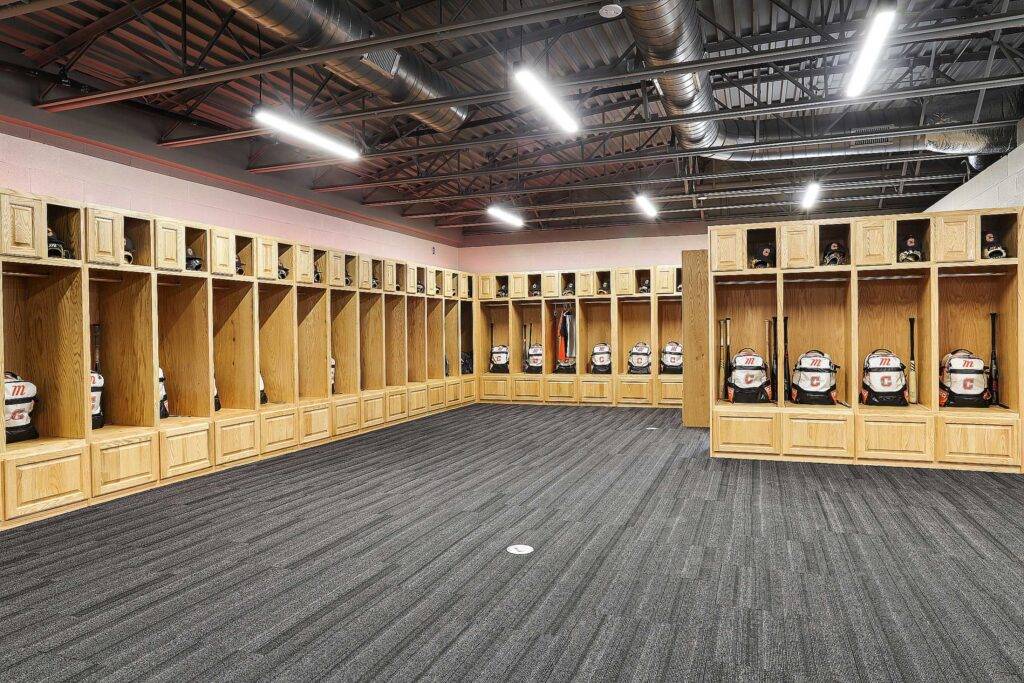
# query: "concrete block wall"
1000,185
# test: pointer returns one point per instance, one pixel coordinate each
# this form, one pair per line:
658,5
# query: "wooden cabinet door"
170,245
517,289
818,434
549,284
487,286
411,273
222,252
586,283
904,437
185,449
122,464
977,440
560,389
468,389
435,395
314,422
595,389
44,481
104,236
875,242
633,390
745,432
726,249
236,438
336,269
278,430
624,281
494,388
266,258
22,226
372,409
365,272
397,405
956,238
464,285
799,247
526,388
417,400
665,280
346,416
452,391
668,392
451,283
304,263
390,276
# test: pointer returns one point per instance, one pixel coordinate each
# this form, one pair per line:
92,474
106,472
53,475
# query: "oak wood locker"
595,389
799,245
550,284
418,400
633,390
40,479
956,238
485,286
827,433
365,272
371,407
976,438
874,241
104,236
390,276
186,447
560,389
125,462
464,285
236,438
336,269
527,388
169,239
624,281
665,279
586,283
397,405
517,288
222,252
278,429
303,263
726,247
314,421
745,431
22,226
896,436
346,415
266,258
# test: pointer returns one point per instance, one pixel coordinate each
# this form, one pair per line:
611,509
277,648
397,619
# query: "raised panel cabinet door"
978,440
814,434
875,242
336,269
560,389
278,430
745,432
22,226
517,290
435,396
549,284
625,281
236,439
595,390
586,283
104,236
410,278
222,252
956,238
418,400
494,388
452,392
397,406
170,245
365,272
726,247
389,276
799,246
904,438
464,285
372,410
486,286
450,283
669,393
314,422
44,481
469,389
527,389
266,258
665,280
124,464
633,391
184,450
304,263
346,417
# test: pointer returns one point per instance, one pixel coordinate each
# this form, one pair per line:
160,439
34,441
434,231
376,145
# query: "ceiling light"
505,216
611,10
297,131
872,49
646,206
540,94
811,193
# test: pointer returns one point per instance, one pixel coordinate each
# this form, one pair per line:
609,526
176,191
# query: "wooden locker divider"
696,353
235,371
635,324
185,348
466,327
277,343
396,367
416,344
371,341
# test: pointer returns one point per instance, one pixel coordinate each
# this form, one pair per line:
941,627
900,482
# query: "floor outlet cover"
520,549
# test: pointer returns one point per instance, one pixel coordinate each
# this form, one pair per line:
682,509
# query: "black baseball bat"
993,363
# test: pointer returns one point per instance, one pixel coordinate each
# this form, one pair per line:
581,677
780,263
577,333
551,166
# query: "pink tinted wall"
30,166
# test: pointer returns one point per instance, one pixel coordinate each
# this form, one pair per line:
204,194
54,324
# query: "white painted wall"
999,186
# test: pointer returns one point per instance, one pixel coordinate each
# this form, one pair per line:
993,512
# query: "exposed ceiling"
776,73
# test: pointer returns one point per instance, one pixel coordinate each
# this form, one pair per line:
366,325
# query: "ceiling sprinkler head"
610,11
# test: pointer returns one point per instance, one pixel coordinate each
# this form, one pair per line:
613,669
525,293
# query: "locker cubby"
642,276
183,344
533,285
421,280
321,265
466,332
196,241
312,304
65,222
1004,225
886,300
526,324
435,339
42,310
277,315
470,286
746,303
500,282
829,233
603,282
595,327
121,304
394,328
634,326
371,341
345,341
451,338
286,258
416,339
234,344
400,277
919,228
140,232
566,279
819,311
679,279
966,299
453,279
757,240
439,282
351,270
245,253
494,330
670,326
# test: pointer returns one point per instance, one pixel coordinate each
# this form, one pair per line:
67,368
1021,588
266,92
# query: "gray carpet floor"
383,557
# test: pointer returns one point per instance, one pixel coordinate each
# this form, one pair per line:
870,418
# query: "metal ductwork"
669,32
398,76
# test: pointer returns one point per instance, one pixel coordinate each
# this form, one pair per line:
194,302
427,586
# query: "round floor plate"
520,549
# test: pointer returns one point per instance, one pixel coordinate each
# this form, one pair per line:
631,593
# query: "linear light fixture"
292,128
646,206
870,51
811,193
535,88
505,216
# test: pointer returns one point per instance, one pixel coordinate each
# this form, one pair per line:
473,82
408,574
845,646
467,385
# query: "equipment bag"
601,359
466,362
263,391
499,359
162,400
963,381
55,247
333,368
534,359
570,289
96,399
282,272
216,395
814,379
672,358
747,380
129,251
19,400
192,262
239,266
885,380
639,360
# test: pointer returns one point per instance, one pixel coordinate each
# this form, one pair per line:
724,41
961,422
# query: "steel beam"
11,11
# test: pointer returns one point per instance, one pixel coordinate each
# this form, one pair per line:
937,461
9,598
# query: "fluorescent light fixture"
811,193
646,206
505,216
291,128
540,94
872,49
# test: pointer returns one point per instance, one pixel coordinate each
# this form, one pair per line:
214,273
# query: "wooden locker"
818,434
595,389
170,245
236,438
633,390
372,408
185,448
550,284
875,242
336,269
624,280
124,463
665,280
586,283
222,252
390,276
397,406
799,245
418,400
104,236
44,480
266,258
486,285
22,226
726,246
745,432
977,440
303,264
903,437
517,288
464,285
278,430
956,238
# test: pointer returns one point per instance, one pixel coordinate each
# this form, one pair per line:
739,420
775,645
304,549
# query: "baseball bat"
728,349
785,352
721,359
912,371
993,363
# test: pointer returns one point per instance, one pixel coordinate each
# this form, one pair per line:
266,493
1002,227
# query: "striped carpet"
383,557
